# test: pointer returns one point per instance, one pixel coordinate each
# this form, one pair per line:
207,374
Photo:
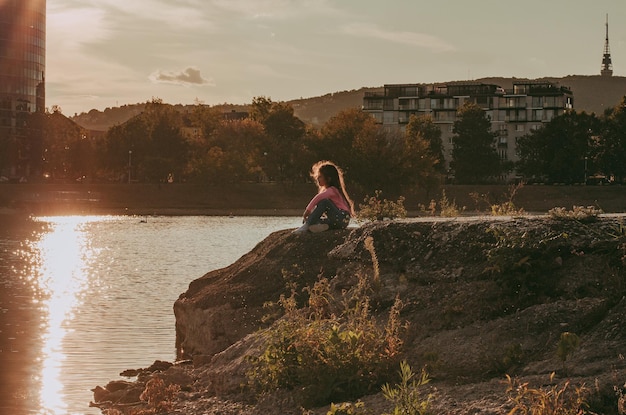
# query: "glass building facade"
22,85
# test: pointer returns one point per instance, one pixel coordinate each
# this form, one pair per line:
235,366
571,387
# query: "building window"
550,102
388,117
519,127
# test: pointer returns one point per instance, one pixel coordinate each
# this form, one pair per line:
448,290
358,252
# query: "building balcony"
377,106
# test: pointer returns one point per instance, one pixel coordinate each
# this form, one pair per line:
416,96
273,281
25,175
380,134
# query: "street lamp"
130,158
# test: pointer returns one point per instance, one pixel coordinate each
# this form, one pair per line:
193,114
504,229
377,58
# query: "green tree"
474,157
233,155
374,158
159,148
283,150
423,127
167,151
556,152
118,142
423,152
206,119
261,109
353,140
337,136
612,142
67,152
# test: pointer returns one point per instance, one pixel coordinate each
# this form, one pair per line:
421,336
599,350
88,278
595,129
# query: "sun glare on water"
59,276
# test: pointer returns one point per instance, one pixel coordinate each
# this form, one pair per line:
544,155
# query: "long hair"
334,177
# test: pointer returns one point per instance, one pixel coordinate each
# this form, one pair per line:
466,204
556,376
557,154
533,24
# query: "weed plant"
554,400
347,408
377,209
406,395
510,358
431,210
448,209
506,208
329,351
568,343
580,213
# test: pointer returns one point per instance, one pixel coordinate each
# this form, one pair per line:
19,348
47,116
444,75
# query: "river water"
83,298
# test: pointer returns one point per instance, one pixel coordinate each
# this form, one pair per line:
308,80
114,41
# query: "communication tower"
607,66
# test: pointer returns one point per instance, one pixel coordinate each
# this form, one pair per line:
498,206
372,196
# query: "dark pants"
326,212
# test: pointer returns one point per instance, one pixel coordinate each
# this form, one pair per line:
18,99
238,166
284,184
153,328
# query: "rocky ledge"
485,298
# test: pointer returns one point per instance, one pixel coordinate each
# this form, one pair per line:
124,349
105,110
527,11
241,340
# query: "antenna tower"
607,66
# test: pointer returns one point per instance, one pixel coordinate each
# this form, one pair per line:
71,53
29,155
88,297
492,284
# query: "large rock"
225,305
484,297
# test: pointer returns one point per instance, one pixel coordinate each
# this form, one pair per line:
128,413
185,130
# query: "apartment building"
22,82
513,113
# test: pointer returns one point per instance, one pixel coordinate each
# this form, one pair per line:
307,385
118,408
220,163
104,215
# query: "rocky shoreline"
487,297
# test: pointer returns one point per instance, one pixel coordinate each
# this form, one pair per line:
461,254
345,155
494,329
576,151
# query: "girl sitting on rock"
331,208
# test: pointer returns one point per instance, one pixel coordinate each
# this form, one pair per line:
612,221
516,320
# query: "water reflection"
83,298
59,277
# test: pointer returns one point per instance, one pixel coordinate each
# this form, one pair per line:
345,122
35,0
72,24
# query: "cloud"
409,38
186,77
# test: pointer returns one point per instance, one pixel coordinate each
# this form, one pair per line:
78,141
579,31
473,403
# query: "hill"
591,94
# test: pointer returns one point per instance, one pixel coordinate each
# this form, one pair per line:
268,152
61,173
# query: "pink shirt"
331,193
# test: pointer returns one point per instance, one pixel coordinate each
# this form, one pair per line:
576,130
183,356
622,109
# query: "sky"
109,53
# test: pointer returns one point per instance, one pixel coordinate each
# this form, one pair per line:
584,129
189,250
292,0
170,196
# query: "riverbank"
272,199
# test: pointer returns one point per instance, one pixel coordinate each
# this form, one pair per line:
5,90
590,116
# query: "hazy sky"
105,53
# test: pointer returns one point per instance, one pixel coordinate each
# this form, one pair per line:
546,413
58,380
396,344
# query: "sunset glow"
112,53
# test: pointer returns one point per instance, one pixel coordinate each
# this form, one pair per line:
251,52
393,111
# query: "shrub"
568,343
448,208
512,356
555,400
328,352
347,408
376,209
431,210
406,395
579,213
506,208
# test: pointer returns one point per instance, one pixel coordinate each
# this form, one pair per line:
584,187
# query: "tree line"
163,144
